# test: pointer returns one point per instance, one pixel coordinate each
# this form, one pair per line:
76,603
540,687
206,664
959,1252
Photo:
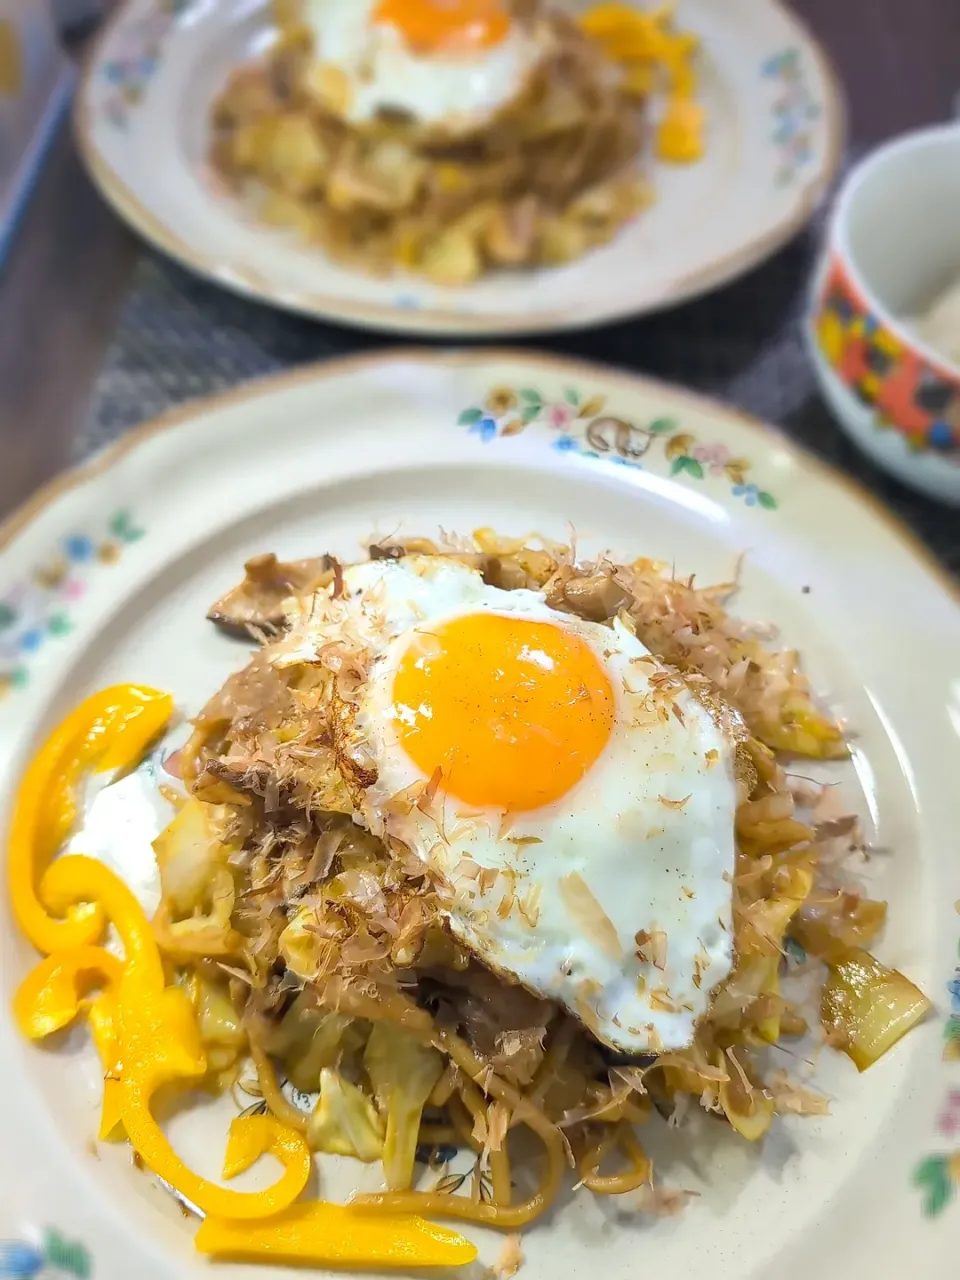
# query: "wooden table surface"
65,278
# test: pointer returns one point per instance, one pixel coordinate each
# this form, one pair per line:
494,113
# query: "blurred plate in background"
774,140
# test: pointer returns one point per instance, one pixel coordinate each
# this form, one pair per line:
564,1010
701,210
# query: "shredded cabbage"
309,1039
345,1122
866,1007
189,854
403,1071
746,1105
221,1030
197,884
828,929
218,1019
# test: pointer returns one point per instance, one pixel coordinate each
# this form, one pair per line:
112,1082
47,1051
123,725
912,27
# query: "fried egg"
574,798
449,63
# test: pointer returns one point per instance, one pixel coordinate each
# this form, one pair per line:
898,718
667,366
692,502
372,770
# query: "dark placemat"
179,338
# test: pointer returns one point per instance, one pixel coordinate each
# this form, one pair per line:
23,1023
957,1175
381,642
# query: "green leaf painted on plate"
530,411
571,395
8,615
469,416
122,527
531,396
685,463
767,500
660,425
59,624
932,1176
67,1256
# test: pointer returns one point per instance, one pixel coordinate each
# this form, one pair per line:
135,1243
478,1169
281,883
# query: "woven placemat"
180,337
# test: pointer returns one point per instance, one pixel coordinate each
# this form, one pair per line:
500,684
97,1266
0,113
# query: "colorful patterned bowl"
892,248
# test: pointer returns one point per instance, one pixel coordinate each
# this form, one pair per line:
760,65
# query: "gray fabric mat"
180,337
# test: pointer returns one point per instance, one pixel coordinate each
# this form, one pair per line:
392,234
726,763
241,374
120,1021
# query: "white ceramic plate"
107,575
774,141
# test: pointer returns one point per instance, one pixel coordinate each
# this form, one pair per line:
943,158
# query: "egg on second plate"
579,800
449,65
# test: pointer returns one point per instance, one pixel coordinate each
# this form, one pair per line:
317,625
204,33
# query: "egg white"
555,897
456,90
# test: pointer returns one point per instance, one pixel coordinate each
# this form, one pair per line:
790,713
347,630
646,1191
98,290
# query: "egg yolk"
430,25
512,712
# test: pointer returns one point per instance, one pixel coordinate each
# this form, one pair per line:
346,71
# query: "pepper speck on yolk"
444,24
513,712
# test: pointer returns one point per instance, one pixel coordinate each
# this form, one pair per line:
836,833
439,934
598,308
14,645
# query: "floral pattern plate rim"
331,453
775,140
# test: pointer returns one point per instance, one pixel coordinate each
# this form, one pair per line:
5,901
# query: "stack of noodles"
318,951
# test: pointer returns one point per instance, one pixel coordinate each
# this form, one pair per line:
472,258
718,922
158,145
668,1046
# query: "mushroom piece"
256,605
597,596
510,236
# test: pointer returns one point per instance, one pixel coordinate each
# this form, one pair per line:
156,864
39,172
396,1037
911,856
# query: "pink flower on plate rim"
948,1121
559,415
713,456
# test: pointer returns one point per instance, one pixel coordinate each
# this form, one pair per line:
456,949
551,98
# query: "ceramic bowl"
892,248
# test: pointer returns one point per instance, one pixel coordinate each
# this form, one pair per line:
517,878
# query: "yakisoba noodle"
320,951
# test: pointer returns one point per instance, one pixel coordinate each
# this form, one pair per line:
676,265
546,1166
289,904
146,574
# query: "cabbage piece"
750,998
221,1065
218,1020
198,889
189,853
306,945
746,1104
298,945
345,1122
221,1029
830,929
309,1038
689,1071
768,1027
762,924
866,1007
804,732
403,1071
